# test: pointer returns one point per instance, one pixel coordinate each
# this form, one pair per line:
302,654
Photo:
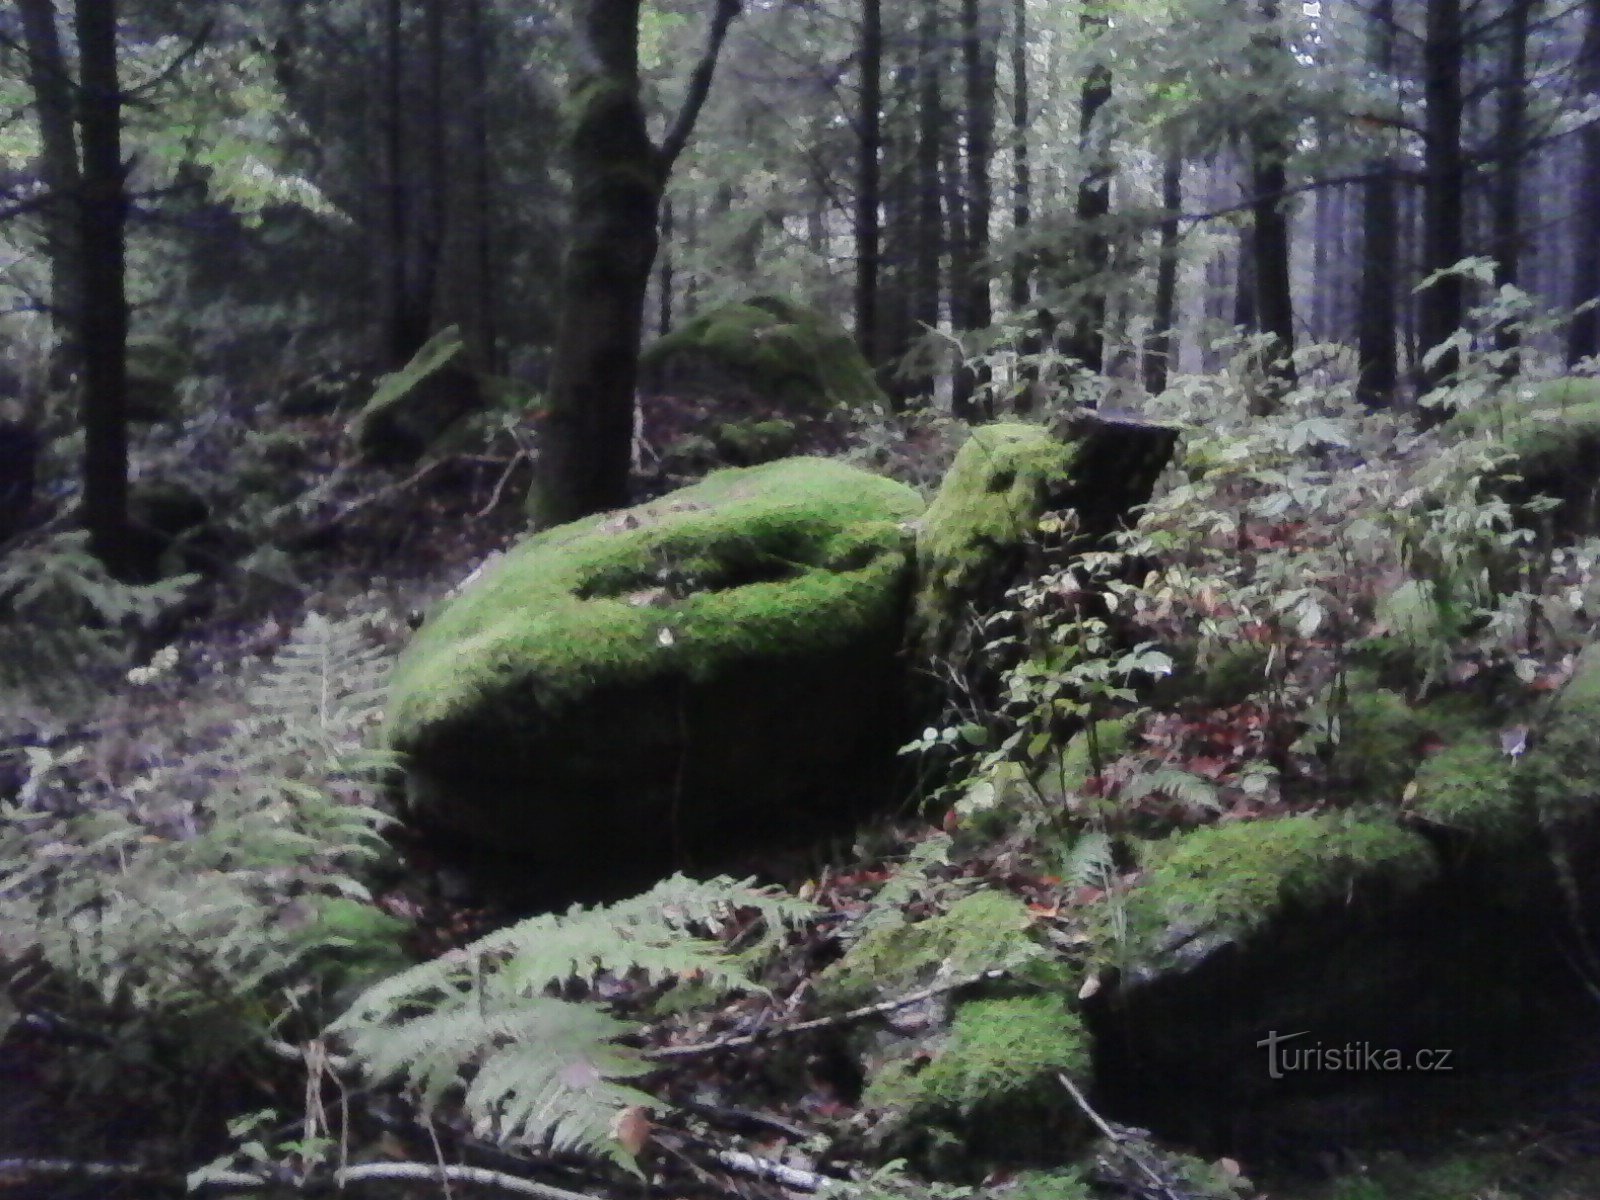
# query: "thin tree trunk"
103,324
869,179
1021,183
1158,350
1583,335
1442,307
973,282
1094,201
930,141
1511,138
1270,144
53,90
487,291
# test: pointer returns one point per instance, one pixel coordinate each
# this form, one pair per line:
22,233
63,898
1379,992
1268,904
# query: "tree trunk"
1087,343
486,293
103,323
1271,140
1021,182
618,178
869,179
53,89
1511,137
1378,319
1442,306
1158,350
1583,335
930,141
973,282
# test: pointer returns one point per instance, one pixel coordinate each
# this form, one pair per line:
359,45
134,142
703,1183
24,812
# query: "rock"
414,406
157,367
768,347
1553,439
981,534
667,686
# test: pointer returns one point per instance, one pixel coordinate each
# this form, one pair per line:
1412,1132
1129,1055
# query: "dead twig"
1117,1139
867,1012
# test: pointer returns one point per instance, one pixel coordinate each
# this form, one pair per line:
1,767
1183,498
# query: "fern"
532,1067
211,885
908,881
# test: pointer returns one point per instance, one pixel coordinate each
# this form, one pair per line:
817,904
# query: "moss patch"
988,929
725,658
1471,786
983,520
1233,879
773,347
1377,740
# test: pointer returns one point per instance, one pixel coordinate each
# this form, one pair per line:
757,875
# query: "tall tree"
1442,306
1158,349
102,204
53,89
1511,144
972,282
869,152
1378,318
1021,181
930,71
618,178
1583,335
1271,138
1087,342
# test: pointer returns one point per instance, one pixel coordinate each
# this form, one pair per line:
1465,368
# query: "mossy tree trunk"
619,176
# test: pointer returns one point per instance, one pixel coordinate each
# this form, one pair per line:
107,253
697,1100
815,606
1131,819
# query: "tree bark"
1087,341
103,325
53,94
977,310
1442,306
869,198
618,178
930,139
1021,181
1511,138
1271,140
1158,350
1378,319
1583,335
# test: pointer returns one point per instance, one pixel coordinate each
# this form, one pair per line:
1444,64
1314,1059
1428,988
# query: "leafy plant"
532,1066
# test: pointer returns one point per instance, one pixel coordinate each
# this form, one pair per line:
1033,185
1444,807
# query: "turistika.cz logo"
1288,1056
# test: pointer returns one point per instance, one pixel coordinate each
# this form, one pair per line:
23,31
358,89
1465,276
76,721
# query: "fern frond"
1091,861
908,881
531,1066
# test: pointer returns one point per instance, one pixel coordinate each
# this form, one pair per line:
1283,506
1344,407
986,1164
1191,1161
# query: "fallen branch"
772,1171
867,1012
316,1182
1118,1139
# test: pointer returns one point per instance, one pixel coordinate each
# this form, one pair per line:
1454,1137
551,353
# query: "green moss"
750,563
1562,770
985,930
1001,1055
985,516
1552,438
1238,877
713,668
1471,786
1376,745
746,443
776,348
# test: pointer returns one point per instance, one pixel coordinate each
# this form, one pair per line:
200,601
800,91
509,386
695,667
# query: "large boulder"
667,686
1552,439
767,347
412,408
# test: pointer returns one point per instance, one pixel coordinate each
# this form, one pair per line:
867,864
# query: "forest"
860,599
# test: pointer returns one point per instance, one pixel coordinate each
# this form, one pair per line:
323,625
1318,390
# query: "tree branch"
699,84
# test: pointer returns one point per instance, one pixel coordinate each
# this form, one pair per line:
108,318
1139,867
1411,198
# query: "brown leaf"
632,1129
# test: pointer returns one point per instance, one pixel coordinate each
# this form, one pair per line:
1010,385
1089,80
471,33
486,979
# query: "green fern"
534,1068
210,886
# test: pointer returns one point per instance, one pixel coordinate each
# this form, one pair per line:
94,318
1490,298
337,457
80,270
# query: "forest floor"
395,545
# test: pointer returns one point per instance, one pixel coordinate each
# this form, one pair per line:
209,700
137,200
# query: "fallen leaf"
632,1129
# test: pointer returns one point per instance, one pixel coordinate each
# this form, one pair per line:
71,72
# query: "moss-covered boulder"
982,535
669,685
412,408
768,347
1553,440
